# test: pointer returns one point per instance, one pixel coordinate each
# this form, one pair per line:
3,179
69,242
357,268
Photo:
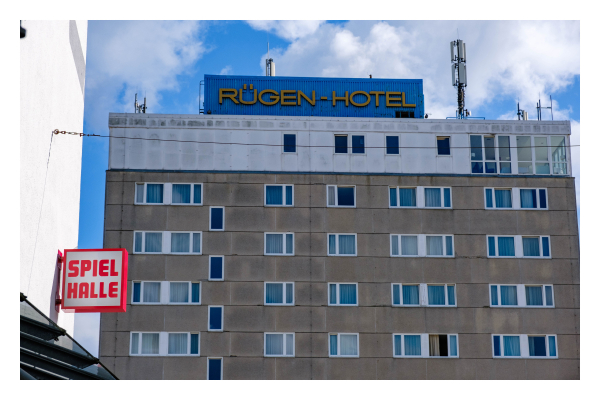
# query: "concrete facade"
52,78
246,268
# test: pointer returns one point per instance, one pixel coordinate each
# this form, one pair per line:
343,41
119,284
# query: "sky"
508,62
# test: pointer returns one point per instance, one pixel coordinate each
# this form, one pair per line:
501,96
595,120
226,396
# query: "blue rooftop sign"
323,97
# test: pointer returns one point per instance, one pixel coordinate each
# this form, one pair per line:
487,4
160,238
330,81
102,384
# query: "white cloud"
289,30
226,71
87,331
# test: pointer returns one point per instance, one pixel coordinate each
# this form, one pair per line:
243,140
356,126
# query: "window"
279,344
404,294
487,158
341,144
216,268
425,345
505,246
186,242
186,193
441,295
516,198
215,318
167,242
279,244
166,292
428,295
279,293
521,295
524,346
341,244
438,197
559,155
519,246
539,151
358,144
443,145
422,245
341,196
533,199
217,219
149,193
404,245
165,344
439,246
148,242
392,145
214,369
420,197
343,345
289,143
279,195
498,198
343,294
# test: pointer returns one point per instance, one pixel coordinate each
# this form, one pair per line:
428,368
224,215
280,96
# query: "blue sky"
508,61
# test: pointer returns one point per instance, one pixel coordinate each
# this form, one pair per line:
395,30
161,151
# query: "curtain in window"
436,295
274,344
178,292
412,345
347,294
289,243
433,197
453,346
448,245
494,290
274,243
408,197
552,346
139,192
533,294
289,293
397,345
331,195
447,200
151,292
512,346
288,195
274,293
153,242
531,247
333,345
508,295
395,250
149,343
410,294
347,244
435,246
332,294
181,194
549,301
489,200
348,345
528,198
214,369
506,246
197,194
393,199
135,343
154,193
409,245
180,242
196,242
331,244
503,198
396,294
195,293
194,343
138,242
537,346
178,343
434,345
451,299
289,344
274,195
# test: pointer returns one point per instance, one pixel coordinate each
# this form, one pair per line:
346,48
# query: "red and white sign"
94,280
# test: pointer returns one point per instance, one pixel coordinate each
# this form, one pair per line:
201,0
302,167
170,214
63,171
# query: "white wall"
51,98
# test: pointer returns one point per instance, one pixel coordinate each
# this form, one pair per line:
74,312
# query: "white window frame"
418,285
339,344
284,195
336,196
144,242
424,345
191,203
208,363
521,295
284,294
348,143
222,266
397,189
441,195
400,245
512,198
399,146
424,246
425,295
337,245
284,244
210,219
524,346
191,252
519,246
337,294
143,203
165,293
283,133
222,318
515,198
534,160
420,197
284,344
351,147
163,344
437,154
513,153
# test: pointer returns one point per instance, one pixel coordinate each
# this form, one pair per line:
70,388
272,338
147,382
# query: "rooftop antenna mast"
140,108
521,114
459,74
270,64
540,108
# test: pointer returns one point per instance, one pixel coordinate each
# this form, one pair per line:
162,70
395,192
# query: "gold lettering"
389,100
285,96
231,96
376,97
334,98
247,102
360,104
274,97
404,101
301,95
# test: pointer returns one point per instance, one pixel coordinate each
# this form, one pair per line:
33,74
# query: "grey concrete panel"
146,267
450,368
108,322
441,319
188,177
550,320
568,346
481,320
348,269
348,220
250,319
299,179
292,319
402,368
439,270
351,368
151,218
318,244
374,294
192,318
114,193
139,368
562,272
546,369
108,343
558,199
218,194
312,345
220,243
252,178
250,219
249,194
188,218
472,295
143,318
248,368
373,196
216,344
373,245
405,220
184,368
350,319
292,219
562,247
504,320
250,268
574,246
510,368
504,270
317,219
293,368
376,345
465,320
112,240
292,269
303,244
314,294
470,245
186,268
467,197
536,272
446,221
247,243
216,292
401,319
493,222
318,195
406,270
247,293
543,223
474,345
244,344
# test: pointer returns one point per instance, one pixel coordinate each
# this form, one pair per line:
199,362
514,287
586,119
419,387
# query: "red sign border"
87,309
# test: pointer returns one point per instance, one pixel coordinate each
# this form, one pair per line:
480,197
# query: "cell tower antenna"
540,108
459,74
140,108
269,63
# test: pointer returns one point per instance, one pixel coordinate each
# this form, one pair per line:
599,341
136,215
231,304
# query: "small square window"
341,144
341,244
341,196
279,344
343,294
215,318
216,268
443,145
279,293
217,218
289,143
358,144
392,145
343,345
279,244
214,369
279,195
